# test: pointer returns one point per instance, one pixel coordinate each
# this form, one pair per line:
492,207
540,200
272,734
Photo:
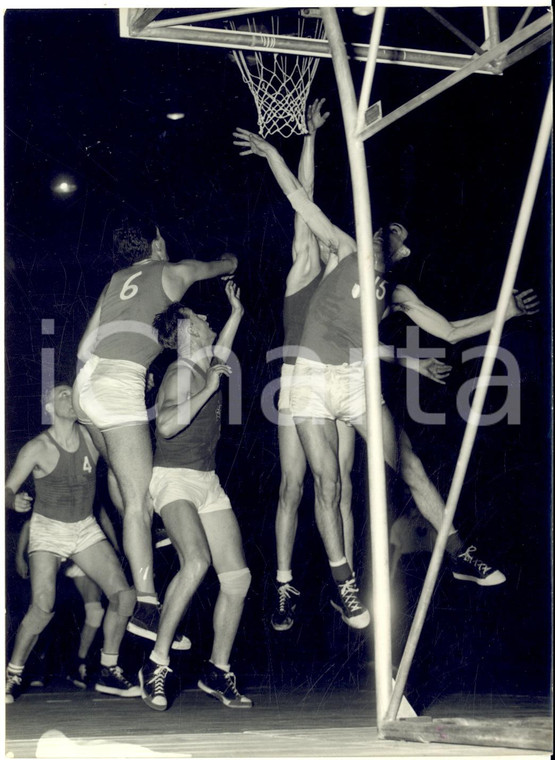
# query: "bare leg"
185,530
224,540
320,443
293,468
113,488
101,565
43,568
130,456
90,593
424,493
346,454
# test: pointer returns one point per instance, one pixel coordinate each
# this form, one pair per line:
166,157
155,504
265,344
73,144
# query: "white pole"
375,457
370,69
484,378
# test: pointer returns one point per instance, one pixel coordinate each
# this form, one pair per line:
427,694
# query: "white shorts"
71,570
201,488
110,393
285,383
328,391
61,538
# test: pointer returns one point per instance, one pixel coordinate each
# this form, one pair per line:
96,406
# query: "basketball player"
302,280
62,461
116,349
187,494
332,386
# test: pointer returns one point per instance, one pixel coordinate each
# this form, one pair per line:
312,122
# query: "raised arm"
404,299
182,395
178,277
307,253
326,232
224,343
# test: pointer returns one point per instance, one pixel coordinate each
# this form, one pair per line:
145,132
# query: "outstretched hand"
233,293
252,144
314,116
526,302
434,369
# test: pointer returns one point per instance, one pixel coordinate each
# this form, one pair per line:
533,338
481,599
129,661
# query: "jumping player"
116,349
62,461
333,334
302,280
187,494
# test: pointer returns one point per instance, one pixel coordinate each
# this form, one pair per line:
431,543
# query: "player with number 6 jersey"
115,351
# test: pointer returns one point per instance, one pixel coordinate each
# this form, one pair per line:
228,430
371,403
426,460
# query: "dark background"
80,100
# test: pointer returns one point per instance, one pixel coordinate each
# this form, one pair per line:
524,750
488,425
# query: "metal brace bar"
457,76
448,25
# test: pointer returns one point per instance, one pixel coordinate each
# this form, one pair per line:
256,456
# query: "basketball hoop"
279,84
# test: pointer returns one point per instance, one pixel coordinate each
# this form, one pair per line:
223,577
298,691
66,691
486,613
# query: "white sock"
108,660
158,659
225,668
284,576
342,561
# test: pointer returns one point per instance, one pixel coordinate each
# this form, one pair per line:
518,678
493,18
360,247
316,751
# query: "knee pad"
36,620
94,612
123,602
235,582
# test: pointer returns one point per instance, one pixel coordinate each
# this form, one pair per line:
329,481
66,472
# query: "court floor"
61,722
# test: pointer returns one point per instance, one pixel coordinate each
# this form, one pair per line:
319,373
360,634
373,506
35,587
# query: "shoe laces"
117,672
157,679
285,591
467,556
13,678
231,682
349,594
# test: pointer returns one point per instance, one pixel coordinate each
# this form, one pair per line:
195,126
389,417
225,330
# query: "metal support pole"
484,378
370,69
375,457
263,43
493,24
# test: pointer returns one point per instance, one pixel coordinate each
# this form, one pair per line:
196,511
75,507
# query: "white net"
280,85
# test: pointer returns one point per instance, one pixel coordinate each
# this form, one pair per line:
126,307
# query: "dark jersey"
133,298
67,493
195,446
333,327
295,308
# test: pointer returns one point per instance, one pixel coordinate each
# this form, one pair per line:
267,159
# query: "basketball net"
280,85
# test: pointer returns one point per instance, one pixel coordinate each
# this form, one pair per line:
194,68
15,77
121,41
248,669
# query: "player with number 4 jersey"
115,351
62,461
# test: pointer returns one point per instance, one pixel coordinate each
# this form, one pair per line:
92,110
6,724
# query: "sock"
108,660
454,545
147,598
158,659
15,670
340,570
284,576
225,668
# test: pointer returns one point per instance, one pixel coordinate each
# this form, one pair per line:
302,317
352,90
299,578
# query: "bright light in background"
175,115
63,186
